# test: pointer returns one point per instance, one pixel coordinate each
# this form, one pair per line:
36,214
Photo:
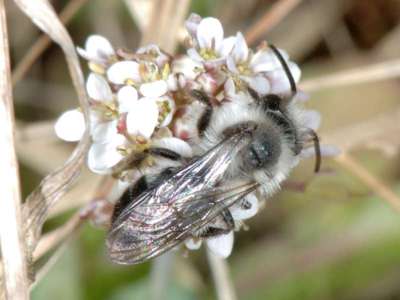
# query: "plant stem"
160,275
11,236
220,272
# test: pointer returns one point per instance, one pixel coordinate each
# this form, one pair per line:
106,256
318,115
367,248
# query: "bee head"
263,149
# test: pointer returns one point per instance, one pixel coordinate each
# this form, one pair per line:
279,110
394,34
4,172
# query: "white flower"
124,72
246,209
145,76
209,43
146,113
262,70
70,126
97,49
156,55
98,89
142,119
220,245
102,156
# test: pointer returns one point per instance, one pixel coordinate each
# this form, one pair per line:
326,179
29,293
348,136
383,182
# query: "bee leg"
222,224
165,153
205,118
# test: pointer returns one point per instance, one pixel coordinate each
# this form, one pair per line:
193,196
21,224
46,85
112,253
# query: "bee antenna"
285,68
317,149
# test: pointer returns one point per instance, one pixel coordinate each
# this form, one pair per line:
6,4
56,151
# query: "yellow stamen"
96,68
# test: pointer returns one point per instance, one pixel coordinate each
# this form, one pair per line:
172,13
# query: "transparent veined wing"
164,216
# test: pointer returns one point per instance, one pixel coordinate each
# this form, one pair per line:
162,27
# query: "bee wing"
166,215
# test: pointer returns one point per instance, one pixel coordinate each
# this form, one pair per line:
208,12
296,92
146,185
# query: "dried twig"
270,19
54,185
43,42
378,186
55,237
220,271
375,72
11,234
140,11
166,18
377,133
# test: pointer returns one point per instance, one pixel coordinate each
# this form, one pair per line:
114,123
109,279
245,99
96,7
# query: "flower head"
209,44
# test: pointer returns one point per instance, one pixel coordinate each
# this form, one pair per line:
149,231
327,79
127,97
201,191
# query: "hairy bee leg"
222,224
205,118
164,152
256,97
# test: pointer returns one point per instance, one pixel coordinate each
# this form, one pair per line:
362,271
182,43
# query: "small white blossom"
124,72
103,155
221,245
240,213
98,50
70,126
209,42
142,119
262,71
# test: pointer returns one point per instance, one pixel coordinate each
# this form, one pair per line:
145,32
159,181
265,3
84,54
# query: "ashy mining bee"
244,146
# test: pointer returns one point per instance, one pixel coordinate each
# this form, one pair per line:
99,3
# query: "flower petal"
127,97
264,61
104,131
193,244
240,50
121,71
238,212
177,145
259,83
70,126
210,33
142,118
97,48
98,88
154,89
279,79
103,156
221,245
226,46
231,64
192,23
194,55
188,67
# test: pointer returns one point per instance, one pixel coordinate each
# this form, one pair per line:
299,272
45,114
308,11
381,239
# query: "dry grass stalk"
271,18
375,72
377,133
11,230
166,17
140,11
378,186
54,185
43,42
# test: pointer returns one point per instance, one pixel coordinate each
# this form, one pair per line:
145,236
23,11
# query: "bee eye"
272,101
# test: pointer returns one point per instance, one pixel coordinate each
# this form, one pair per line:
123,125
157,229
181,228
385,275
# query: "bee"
243,147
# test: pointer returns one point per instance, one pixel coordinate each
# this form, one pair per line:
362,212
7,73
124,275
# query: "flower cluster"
140,99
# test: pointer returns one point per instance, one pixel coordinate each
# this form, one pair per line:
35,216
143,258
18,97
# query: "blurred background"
334,235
